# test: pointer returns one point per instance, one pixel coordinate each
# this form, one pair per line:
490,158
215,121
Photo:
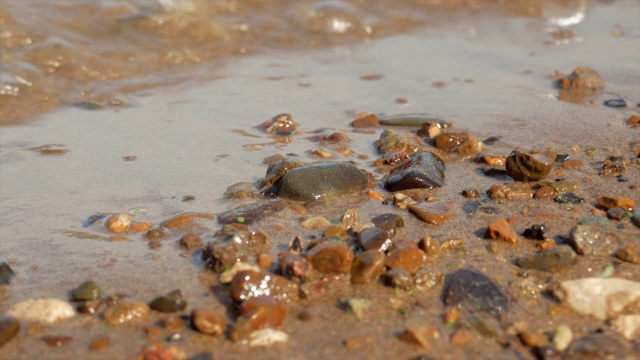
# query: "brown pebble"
56,341
533,339
360,341
582,78
248,283
262,312
509,192
630,254
173,322
451,316
335,230
430,246
501,230
450,141
100,343
608,203
634,121
208,321
264,260
493,161
421,335
529,167
366,121
434,213
273,159
571,164
125,311
331,257
471,193
545,192
119,223
451,244
367,267
407,258
190,241
461,337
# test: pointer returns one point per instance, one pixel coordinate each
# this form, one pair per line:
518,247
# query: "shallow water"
497,68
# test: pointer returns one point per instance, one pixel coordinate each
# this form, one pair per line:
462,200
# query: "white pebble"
266,337
627,325
600,298
562,337
42,310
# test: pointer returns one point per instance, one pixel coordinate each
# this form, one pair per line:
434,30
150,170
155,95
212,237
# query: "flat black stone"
561,158
426,171
568,198
473,291
615,103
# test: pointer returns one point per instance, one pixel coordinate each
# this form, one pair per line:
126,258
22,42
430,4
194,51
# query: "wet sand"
498,74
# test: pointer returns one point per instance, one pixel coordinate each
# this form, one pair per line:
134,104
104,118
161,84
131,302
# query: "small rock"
599,346
509,192
315,223
450,141
473,146
609,203
598,297
235,243
561,158
191,241
527,167
491,160
125,311
100,343
247,284
474,291
294,266
569,198
628,326
9,327
88,290
501,230
366,121
563,337
553,259
617,213
582,78
42,310
228,275
430,246
633,121
266,337
420,336
208,322
172,302
471,193
434,213
276,171
120,223
461,337
409,258
562,187
388,222
358,306
536,232
374,238
390,141
333,230
281,124
331,257
587,238
6,273
631,254
615,103
544,192
241,190
367,267
56,341
322,180
425,171
399,278
262,312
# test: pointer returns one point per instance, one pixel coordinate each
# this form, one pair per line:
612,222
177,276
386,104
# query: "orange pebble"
119,223
140,226
375,195
185,219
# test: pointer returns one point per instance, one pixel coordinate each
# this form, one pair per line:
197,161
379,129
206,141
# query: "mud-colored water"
497,62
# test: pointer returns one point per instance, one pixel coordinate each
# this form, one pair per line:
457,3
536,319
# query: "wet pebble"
331,257
235,243
388,222
565,186
191,241
276,171
601,298
633,121
6,273
367,267
587,238
281,124
172,302
251,213
615,103
544,192
529,167
294,266
471,193
599,346
208,321
426,278
617,213
631,254
406,256
374,238
9,327
502,231
419,335
241,190
228,275
473,291
450,141
120,223
430,246
425,171
322,180
610,203
247,284
553,259
569,198
582,78
261,312
125,311
88,290
100,343
154,234
434,213
267,337
367,121
56,340
42,310
561,158
536,232
510,191
399,278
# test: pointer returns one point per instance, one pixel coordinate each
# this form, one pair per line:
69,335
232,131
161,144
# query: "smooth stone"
228,275
407,258
88,290
251,213
601,298
615,103
42,310
374,238
235,243
631,254
425,171
628,326
6,273
247,284
419,335
262,312
529,167
399,278
125,311
553,259
450,141
562,337
562,187
293,265
388,222
430,246
599,346
267,337
609,202
331,257
322,180
561,158
502,231
587,239
569,198
367,267
474,291
434,213
208,322
617,213
367,121
172,302
9,327
471,193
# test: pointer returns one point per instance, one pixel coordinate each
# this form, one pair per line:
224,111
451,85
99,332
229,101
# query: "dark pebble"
529,167
599,346
471,193
636,217
367,267
322,180
472,290
547,352
399,278
88,290
426,171
56,341
6,273
374,239
617,213
569,198
615,103
388,222
491,140
536,232
554,259
249,214
172,302
561,158
9,327
190,241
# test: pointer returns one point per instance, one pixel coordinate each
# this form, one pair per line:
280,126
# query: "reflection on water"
68,51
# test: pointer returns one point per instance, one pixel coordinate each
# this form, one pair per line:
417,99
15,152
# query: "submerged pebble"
425,171
553,259
536,232
331,257
474,291
42,310
322,180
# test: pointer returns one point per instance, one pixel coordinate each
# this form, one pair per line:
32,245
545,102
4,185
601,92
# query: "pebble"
569,198
427,278
599,346
9,327
119,223
434,213
228,275
241,190
571,164
276,171
562,337
322,180
529,167
234,243
582,78
247,284
6,273
331,257
509,192
628,326
56,340
544,192
420,335
281,124
333,230
450,141
390,142
208,321
191,241
125,311
471,193
399,278
42,310
414,119
471,147
266,337
366,121
631,254
262,312
374,238
601,298
633,121
491,160
425,171
430,246
358,307
367,267
561,158
554,259
473,290
636,217
388,222
251,213
617,213
609,203
615,103
88,290
536,232
565,186
501,230
292,265
172,302
587,239
315,223
100,343
407,257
